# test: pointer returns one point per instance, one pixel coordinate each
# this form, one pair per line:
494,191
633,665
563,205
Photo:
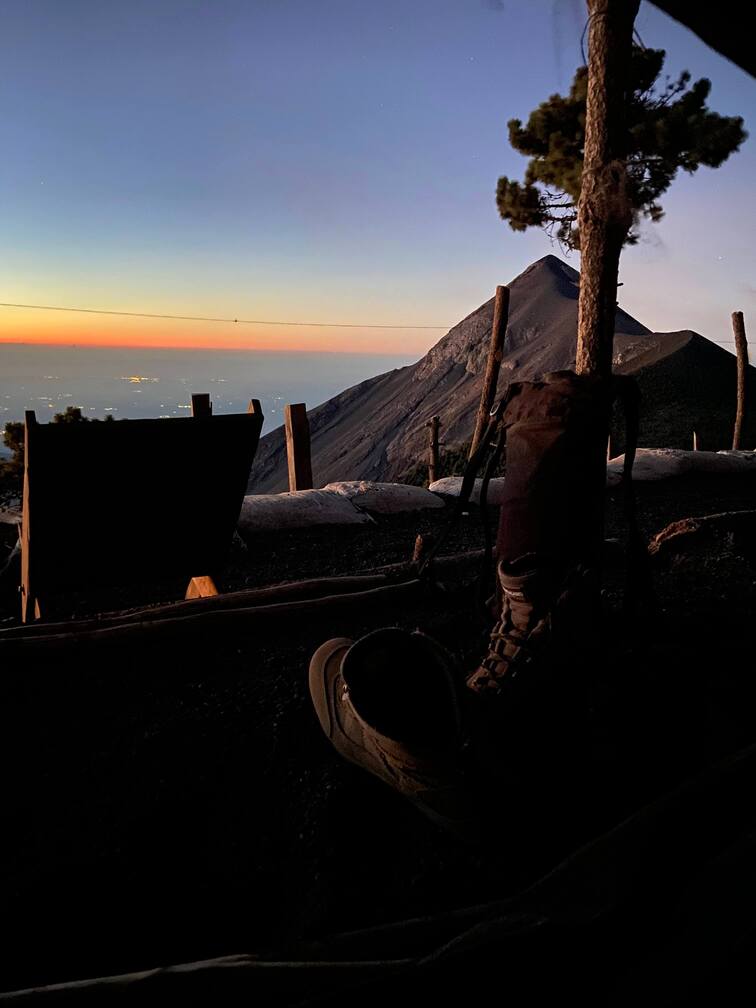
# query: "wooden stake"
434,423
695,441
423,545
30,608
201,405
254,406
741,351
297,428
495,354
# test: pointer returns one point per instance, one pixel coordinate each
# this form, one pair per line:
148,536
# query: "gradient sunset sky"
316,160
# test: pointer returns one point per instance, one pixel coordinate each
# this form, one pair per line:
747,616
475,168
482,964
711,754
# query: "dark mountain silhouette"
376,430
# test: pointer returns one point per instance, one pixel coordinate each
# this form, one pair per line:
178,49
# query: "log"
741,352
246,979
314,588
495,355
681,536
244,620
311,589
297,428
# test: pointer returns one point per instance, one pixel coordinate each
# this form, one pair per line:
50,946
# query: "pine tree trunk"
741,350
604,213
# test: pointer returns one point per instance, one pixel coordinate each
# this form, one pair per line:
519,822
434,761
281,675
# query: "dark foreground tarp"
659,911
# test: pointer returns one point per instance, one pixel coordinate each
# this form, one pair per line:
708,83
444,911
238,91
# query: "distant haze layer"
150,383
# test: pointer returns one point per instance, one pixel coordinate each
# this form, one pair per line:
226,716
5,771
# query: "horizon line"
169,346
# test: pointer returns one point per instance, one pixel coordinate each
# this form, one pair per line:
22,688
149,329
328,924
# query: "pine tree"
668,128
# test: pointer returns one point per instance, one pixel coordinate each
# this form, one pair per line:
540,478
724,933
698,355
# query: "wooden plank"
201,587
255,407
201,405
495,355
297,428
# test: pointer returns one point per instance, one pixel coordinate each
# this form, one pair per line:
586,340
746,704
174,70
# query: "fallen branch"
245,619
309,589
681,535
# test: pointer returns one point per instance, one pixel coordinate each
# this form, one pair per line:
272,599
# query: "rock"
666,463
385,498
298,510
450,486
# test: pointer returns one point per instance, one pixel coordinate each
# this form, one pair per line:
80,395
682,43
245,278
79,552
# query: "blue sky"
331,160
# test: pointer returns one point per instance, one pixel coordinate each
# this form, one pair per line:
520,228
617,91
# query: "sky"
327,161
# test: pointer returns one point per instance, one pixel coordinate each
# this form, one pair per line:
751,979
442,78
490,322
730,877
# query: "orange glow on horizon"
37,328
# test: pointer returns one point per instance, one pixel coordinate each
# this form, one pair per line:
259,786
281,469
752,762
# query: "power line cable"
207,318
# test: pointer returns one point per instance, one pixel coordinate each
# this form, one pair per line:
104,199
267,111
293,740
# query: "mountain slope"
376,430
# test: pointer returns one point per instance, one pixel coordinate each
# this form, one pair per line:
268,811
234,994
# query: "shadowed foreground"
172,794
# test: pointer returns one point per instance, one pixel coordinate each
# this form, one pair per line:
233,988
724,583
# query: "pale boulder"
298,509
385,498
450,486
665,463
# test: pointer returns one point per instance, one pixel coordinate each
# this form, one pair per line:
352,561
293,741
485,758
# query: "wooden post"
495,354
741,350
604,210
423,545
30,608
298,446
254,406
201,405
434,423
695,441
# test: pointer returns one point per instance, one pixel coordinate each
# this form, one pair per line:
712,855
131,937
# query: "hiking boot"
520,634
540,607
388,703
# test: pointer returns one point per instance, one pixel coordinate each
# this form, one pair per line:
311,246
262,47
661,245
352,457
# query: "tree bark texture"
604,212
741,350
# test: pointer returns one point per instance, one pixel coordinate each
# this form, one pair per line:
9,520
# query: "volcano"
376,429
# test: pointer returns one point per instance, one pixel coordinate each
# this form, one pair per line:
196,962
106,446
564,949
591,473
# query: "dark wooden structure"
131,501
298,454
